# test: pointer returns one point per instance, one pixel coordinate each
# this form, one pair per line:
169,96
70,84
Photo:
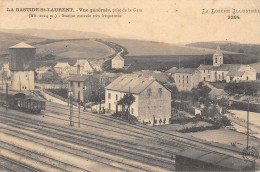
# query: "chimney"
78,69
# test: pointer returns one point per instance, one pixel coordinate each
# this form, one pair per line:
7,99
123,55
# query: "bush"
200,128
248,88
119,115
63,92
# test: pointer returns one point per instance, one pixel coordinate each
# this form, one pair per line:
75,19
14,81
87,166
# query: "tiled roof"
80,78
186,70
22,45
172,70
62,64
235,73
226,67
205,67
135,82
159,76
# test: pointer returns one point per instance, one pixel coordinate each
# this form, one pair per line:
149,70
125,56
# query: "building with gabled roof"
62,67
82,66
225,72
152,99
118,62
186,78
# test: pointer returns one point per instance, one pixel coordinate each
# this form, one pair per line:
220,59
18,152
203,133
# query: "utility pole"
6,96
247,133
204,57
179,62
71,110
79,116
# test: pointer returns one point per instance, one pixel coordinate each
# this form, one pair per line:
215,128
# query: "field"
160,62
148,48
74,49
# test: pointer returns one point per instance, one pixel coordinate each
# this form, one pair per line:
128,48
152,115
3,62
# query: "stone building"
152,99
118,62
219,72
186,78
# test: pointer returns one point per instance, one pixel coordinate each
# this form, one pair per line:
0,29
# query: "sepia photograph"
120,85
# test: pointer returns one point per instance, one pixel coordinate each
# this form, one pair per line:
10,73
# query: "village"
209,98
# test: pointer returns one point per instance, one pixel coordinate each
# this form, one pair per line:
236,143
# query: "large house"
118,62
152,99
226,72
186,78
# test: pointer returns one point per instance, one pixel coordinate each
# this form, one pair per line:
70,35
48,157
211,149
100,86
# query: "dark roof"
136,83
216,158
226,67
186,70
80,78
205,67
172,70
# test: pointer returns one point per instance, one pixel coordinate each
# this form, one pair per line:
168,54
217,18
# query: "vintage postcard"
120,85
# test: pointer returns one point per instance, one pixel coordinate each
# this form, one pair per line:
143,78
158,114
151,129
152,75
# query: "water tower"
22,66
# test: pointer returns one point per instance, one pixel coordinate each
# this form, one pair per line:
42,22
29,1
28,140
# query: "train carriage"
23,101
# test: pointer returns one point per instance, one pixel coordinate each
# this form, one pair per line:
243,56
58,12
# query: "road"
101,143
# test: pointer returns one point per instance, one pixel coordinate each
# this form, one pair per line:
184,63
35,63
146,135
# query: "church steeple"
218,57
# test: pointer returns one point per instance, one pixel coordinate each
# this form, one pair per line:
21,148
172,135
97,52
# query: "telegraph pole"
6,96
71,109
247,133
79,116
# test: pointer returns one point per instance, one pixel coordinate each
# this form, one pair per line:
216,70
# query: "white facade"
226,72
154,102
118,62
22,80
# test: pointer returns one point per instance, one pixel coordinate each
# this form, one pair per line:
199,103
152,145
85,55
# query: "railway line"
7,164
116,150
144,131
139,149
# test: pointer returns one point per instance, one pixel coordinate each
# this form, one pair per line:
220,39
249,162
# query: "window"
109,106
247,78
182,81
149,91
160,91
116,97
78,84
219,76
204,71
179,81
216,60
71,83
109,95
79,96
187,79
204,78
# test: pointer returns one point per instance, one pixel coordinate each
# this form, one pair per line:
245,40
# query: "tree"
127,100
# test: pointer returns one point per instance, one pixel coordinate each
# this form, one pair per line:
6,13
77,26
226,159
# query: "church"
219,72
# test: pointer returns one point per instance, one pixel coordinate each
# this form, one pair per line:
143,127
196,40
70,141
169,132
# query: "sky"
170,21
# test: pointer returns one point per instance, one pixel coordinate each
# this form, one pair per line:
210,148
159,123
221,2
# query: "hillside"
55,34
249,49
149,48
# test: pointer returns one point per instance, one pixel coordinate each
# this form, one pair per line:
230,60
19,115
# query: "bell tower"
218,57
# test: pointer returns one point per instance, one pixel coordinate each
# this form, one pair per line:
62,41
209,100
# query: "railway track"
101,145
189,142
7,164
